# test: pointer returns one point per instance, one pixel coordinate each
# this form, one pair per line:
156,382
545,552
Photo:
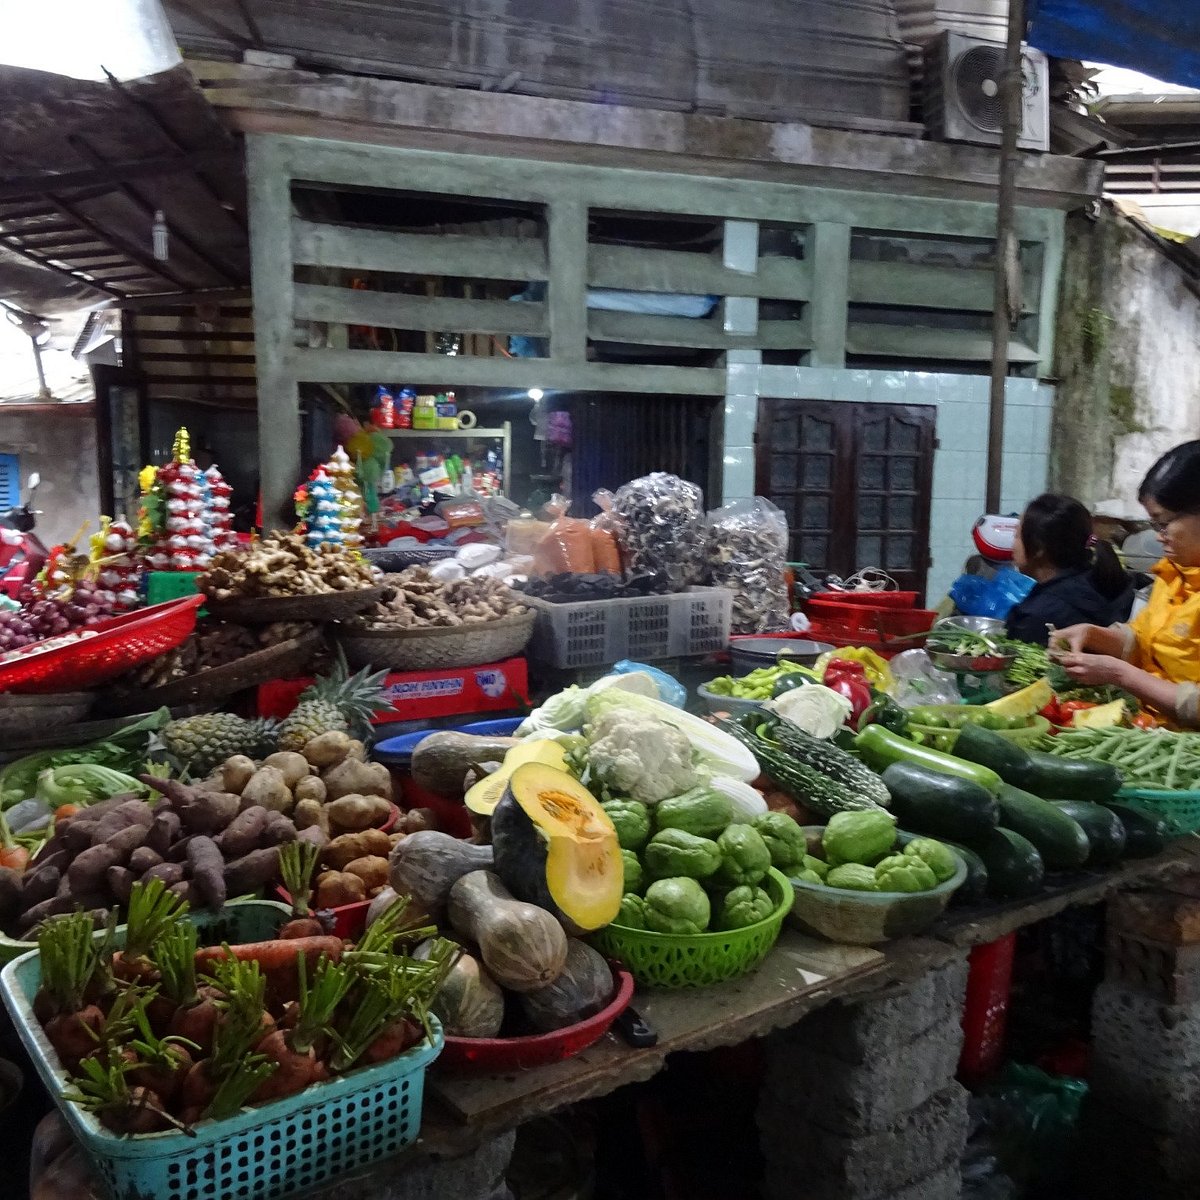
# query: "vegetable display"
1144,758
416,599
283,564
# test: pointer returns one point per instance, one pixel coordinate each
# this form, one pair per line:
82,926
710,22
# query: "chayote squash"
677,906
941,860
744,906
632,913
904,873
702,811
785,839
818,866
859,837
631,820
675,852
852,876
745,858
634,875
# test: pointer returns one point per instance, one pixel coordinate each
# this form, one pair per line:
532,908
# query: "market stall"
502,919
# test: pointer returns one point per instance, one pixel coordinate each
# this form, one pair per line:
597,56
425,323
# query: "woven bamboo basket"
24,716
322,606
436,647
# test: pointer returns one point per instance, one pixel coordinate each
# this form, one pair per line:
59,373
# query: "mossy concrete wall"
1127,359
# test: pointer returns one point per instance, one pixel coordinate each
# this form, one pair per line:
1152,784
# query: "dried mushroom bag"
662,528
747,554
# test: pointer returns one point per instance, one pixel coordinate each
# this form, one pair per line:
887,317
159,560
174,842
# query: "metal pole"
1006,300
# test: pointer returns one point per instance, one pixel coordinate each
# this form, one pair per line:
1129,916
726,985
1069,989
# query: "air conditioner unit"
963,101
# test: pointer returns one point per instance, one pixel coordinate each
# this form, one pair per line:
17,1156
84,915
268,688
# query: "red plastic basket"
518,1053
118,644
885,622
870,599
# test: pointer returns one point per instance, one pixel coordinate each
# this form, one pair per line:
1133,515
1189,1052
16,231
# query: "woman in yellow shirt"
1157,655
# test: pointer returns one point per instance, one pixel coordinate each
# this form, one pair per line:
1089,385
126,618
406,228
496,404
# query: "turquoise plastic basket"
325,1131
1179,810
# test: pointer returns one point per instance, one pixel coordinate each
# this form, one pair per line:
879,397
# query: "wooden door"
854,482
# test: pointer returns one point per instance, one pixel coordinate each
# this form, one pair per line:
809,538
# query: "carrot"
63,811
15,857
402,1034
295,1071
75,1035
275,954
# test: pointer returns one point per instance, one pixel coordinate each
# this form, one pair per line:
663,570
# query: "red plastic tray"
518,1053
870,599
119,644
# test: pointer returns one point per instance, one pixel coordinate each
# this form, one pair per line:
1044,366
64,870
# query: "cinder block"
944,1183
871,1165
1163,1037
1123,1158
857,1033
1161,916
1167,973
813,1086
1163,1101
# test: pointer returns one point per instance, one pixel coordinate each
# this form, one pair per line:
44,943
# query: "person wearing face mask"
1079,578
1157,655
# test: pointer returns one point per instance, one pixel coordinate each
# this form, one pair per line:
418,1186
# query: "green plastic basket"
326,1131
668,960
1180,811
171,585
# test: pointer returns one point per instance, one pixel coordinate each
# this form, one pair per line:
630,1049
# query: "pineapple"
204,742
336,703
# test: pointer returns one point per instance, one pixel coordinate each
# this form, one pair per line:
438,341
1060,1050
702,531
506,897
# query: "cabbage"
715,750
818,710
747,802
565,711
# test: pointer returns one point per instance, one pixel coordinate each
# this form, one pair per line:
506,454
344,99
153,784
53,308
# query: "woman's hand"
1072,640
1094,670
1078,639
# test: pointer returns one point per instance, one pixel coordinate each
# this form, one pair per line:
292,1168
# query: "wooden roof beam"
111,172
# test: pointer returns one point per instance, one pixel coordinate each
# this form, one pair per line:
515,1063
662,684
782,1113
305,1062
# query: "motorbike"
22,553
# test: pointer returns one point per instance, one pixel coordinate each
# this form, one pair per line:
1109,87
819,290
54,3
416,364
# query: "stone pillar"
860,1102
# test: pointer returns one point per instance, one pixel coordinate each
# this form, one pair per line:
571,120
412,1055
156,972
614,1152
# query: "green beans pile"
1155,759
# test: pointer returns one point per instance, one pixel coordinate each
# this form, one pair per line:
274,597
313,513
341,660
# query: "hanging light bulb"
159,236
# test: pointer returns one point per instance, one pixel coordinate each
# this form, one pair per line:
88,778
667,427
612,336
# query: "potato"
349,846
236,772
337,888
372,870
357,750
418,819
352,813
310,813
293,766
354,778
311,787
327,750
269,789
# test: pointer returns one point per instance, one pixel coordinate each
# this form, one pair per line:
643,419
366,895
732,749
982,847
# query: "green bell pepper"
885,711
676,852
744,906
745,858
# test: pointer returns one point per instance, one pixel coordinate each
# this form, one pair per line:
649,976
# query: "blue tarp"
1157,37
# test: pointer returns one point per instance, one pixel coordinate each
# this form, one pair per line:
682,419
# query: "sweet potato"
292,766
354,778
123,844
142,859
252,871
86,872
120,882
349,846
269,789
163,832
339,887
132,812
10,893
278,830
314,834
50,907
308,813
372,870
36,885
169,872
352,813
185,890
236,772
178,850
245,832
208,871
311,787
208,812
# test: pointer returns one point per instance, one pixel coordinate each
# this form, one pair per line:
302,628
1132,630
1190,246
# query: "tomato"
1143,720
1051,712
1068,709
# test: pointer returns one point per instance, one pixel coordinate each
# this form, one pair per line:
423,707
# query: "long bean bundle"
1155,759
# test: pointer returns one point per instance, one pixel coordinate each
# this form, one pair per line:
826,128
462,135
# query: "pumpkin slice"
556,847
483,797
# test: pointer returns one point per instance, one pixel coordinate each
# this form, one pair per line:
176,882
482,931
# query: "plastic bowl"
755,650
727,704
517,1053
868,918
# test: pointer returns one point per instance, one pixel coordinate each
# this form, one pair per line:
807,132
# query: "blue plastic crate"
263,1153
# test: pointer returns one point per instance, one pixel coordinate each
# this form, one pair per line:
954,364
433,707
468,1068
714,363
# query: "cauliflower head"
636,756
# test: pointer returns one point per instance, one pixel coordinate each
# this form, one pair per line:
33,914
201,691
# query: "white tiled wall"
960,464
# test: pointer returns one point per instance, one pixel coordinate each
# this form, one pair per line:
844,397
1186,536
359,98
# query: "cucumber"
1105,833
880,748
939,805
1145,836
989,749
1072,778
975,887
1014,866
1060,840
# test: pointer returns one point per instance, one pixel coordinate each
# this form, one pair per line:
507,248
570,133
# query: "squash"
522,946
469,1003
483,797
427,864
441,761
582,990
557,848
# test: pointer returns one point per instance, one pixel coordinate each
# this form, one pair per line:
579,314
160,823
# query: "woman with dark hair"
1157,656
1079,578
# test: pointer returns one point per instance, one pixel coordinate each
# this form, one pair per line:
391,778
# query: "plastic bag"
670,690
747,554
478,554
605,550
977,596
523,533
662,528
918,682
566,545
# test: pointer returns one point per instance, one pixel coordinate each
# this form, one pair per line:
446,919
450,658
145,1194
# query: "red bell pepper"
850,680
